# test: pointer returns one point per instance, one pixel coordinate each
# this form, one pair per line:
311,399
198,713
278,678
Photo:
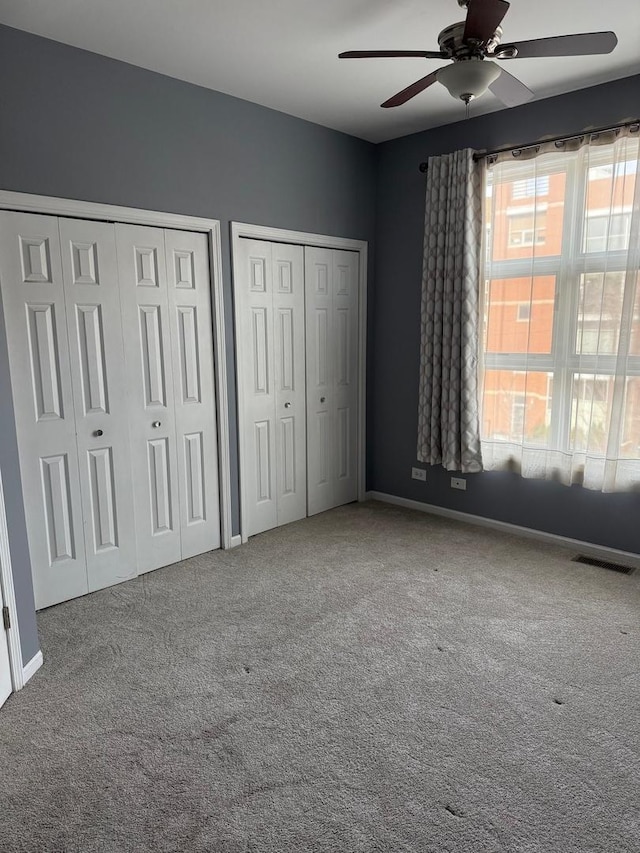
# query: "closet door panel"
331,285
320,358
35,322
345,394
148,356
193,378
254,283
289,380
101,407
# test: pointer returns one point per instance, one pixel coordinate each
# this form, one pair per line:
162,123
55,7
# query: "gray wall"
81,126
611,520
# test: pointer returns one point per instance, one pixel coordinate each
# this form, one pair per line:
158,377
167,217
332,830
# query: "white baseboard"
235,541
602,552
30,669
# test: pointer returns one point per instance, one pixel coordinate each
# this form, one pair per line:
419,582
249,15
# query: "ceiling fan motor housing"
451,41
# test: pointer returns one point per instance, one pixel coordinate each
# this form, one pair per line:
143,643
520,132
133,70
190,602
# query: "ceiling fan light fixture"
468,79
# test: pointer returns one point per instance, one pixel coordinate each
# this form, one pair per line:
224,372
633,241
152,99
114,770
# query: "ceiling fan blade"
511,91
391,54
579,44
483,18
411,91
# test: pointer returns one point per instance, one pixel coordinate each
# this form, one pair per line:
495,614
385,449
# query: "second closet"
298,379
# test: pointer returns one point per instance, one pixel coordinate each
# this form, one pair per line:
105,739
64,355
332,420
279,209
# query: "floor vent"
603,564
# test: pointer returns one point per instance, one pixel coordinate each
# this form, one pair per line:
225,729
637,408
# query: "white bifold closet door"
165,291
331,293
297,339
270,294
62,319
110,351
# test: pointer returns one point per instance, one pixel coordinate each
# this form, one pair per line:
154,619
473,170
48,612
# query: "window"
527,229
562,307
607,233
590,402
608,170
518,403
530,187
600,305
517,406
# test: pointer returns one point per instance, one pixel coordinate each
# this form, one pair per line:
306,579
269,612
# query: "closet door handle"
323,399
98,433
156,424
287,405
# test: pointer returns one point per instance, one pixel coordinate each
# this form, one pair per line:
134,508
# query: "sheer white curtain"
561,313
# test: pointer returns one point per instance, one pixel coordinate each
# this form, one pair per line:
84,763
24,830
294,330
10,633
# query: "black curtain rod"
480,155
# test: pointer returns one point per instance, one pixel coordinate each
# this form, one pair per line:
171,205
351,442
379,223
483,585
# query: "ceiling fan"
473,43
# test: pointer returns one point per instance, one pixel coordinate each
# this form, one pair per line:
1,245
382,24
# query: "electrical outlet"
418,474
459,483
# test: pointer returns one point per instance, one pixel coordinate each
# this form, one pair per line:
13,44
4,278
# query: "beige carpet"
372,679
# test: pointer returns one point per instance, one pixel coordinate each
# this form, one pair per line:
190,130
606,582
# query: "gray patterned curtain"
448,418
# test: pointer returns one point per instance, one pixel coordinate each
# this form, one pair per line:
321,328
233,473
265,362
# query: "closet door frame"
240,230
8,598
49,205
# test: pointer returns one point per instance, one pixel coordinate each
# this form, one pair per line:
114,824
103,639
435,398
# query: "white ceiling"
283,53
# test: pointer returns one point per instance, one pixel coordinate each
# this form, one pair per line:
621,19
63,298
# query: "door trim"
28,203
9,600
303,238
